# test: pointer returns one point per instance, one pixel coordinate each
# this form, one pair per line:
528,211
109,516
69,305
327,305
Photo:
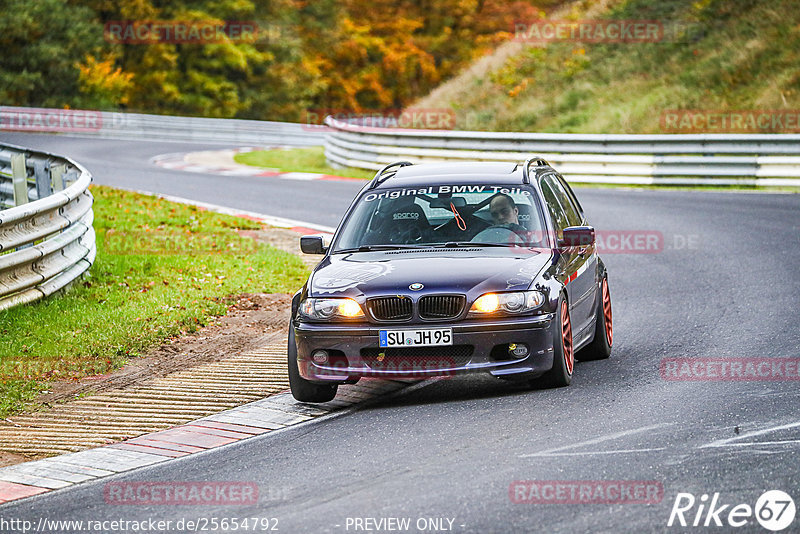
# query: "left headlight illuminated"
506,303
330,309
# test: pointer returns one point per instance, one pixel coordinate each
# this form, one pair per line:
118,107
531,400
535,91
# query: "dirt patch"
252,321
283,239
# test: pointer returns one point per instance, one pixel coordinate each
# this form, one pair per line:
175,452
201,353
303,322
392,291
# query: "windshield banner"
447,190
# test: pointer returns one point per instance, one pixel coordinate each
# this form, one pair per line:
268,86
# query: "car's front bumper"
478,346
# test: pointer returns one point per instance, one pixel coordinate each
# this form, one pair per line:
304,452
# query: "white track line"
727,441
593,453
597,440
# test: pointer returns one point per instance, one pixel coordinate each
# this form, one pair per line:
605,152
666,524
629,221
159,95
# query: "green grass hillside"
740,55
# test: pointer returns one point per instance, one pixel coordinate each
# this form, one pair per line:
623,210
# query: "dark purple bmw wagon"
450,268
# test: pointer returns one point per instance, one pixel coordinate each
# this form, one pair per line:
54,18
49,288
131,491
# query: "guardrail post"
43,188
57,177
19,176
70,176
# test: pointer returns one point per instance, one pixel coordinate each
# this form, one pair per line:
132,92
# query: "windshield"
487,214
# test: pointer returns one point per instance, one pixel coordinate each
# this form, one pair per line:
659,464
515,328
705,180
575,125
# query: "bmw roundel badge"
416,286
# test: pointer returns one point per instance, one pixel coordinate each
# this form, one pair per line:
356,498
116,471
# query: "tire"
600,347
302,389
563,356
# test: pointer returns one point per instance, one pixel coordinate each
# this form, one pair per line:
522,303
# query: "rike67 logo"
774,510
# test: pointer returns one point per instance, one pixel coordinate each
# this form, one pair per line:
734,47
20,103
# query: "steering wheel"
497,233
405,235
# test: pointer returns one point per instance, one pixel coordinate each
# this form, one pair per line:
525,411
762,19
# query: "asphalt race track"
723,284
124,164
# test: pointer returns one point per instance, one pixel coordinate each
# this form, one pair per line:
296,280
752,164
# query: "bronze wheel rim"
607,313
566,337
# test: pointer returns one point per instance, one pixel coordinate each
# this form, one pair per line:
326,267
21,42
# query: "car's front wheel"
302,389
563,356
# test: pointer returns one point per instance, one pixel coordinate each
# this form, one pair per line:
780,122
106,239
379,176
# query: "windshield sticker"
403,216
447,190
340,277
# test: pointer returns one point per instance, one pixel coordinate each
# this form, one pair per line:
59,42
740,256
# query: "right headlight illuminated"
506,303
325,309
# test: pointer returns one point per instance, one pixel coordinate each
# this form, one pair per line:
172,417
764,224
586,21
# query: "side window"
554,206
571,211
573,200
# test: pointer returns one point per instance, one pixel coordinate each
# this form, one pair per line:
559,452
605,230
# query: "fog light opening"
518,350
320,357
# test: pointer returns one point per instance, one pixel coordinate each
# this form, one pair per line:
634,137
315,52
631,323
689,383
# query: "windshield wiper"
370,248
469,244
455,244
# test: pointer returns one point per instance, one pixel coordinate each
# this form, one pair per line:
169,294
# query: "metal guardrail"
135,126
46,239
674,159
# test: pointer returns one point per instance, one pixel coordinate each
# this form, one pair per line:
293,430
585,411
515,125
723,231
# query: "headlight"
326,309
507,303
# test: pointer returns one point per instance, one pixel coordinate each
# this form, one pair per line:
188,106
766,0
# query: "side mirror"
577,236
312,244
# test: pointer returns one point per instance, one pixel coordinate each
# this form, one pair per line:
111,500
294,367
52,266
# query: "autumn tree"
357,55
40,44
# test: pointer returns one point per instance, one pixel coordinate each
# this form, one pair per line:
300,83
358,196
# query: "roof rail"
379,178
538,162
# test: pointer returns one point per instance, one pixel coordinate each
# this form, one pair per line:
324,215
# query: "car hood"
439,271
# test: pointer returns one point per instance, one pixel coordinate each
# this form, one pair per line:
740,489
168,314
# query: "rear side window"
554,206
570,210
571,194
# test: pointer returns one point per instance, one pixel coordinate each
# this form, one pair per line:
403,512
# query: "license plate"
416,338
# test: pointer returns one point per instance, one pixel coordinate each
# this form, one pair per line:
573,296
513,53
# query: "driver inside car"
505,213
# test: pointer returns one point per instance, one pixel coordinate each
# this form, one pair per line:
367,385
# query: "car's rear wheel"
600,347
563,356
302,389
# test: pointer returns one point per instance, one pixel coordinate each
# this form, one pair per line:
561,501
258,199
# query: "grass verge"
161,269
299,160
